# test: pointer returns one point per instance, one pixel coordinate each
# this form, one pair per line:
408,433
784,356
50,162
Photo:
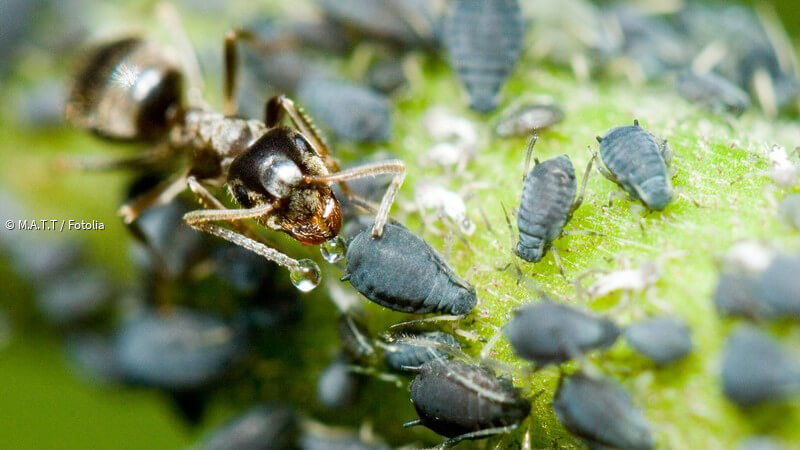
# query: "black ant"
130,89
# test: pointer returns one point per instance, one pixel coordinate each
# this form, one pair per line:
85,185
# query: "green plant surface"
719,163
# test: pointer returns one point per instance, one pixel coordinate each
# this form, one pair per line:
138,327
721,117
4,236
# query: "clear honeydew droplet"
333,250
305,277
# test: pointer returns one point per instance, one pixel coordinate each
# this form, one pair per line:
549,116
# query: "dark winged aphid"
638,162
338,386
402,272
351,111
180,350
462,401
548,332
259,428
74,297
712,91
756,369
662,339
548,201
406,352
790,209
355,337
405,22
602,413
483,39
525,119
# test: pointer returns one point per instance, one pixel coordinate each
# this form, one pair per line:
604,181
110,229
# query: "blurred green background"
43,403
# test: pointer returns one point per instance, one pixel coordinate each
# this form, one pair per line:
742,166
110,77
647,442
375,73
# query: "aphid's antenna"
371,371
428,319
412,423
531,144
169,17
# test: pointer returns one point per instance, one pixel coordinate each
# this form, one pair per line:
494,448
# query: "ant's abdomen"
126,89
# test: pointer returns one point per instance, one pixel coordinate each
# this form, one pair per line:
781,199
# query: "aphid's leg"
171,22
513,262
557,259
667,153
383,376
396,167
200,220
529,153
476,435
489,346
412,423
443,318
579,199
163,193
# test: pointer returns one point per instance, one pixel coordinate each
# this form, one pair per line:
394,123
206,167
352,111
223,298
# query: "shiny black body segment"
638,162
402,272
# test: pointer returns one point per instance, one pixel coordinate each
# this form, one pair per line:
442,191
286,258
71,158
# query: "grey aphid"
638,162
462,401
527,118
402,272
602,413
351,111
314,439
180,350
338,386
548,201
548,332
761,443
259,428
790,209
778,287
662,339
75,296
405,352
713,92
733,296
756,369
483,39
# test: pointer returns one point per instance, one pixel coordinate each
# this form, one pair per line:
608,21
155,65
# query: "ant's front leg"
395,167
201,220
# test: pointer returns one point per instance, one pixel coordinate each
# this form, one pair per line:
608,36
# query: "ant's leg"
579,200
207,200
171,22
164,192
369,170
232,37
200,220
144,160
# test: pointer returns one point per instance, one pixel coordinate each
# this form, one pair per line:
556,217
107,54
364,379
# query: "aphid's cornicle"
130,89
484,40
638,163
462,401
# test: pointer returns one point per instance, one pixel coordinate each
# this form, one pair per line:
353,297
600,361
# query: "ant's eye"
301,143
279,174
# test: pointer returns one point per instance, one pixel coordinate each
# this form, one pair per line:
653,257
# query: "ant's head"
126,89
274,170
